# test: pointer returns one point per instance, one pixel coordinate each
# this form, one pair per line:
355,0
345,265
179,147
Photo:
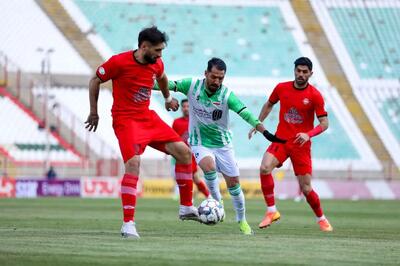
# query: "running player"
133,75
299,102
209,136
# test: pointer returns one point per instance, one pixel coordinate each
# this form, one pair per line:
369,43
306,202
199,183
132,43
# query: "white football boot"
128,230
188,213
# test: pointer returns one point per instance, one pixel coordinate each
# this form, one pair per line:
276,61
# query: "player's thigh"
205,158
179,150
301,160
226,162
274,157
126,133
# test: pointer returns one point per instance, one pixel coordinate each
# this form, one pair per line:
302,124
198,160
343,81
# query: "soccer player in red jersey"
299,101
133,75
181,125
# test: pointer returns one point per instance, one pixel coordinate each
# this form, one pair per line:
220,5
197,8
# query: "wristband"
315,131
168,99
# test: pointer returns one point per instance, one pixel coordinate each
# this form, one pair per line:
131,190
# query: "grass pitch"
66,231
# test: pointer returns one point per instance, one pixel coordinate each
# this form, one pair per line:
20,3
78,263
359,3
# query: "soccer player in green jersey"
209,136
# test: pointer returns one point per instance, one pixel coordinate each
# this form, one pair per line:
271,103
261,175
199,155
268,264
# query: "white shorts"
224,158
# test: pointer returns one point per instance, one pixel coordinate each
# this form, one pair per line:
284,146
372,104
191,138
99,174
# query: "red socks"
313,200
202,187
128,196
183,174
267,186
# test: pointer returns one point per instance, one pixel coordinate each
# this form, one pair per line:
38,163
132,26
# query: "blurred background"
50,48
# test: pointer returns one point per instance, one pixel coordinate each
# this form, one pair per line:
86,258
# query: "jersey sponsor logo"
102,71
202,113
306,101
293,116
142,95
216,114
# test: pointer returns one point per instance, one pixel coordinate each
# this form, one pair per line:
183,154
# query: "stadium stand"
234,38
25,139
269,19
364,37
25,23
383,107
371,36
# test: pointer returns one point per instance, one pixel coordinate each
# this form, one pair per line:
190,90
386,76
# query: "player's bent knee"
207,168
232,181
305,188
184,156
266,169
133,165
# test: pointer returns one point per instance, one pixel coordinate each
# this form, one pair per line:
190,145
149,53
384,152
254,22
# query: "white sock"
321,218
238,202
271,208
211,179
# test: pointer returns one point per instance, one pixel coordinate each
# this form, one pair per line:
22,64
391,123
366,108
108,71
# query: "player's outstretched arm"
182,86
94,89
265,110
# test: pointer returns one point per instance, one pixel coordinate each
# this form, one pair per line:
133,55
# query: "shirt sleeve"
274,97
160,69
238,107
319,105
182,85
108,70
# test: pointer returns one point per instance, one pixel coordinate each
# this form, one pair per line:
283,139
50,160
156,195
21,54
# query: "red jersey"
181,126
297,108
131,81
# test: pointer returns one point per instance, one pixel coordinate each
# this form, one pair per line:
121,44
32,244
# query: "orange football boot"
269,218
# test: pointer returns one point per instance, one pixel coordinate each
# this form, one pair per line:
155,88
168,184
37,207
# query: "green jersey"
209,115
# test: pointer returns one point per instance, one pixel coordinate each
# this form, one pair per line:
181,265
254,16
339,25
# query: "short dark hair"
303,61
152,35
217,62
184,101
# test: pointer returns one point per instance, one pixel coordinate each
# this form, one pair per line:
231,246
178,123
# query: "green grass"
53,231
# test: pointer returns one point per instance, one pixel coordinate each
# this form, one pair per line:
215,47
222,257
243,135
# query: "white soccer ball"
211,212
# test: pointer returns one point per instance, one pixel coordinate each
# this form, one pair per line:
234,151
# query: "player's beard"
301,82
149,59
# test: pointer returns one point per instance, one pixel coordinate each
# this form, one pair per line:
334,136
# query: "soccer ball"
211,212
